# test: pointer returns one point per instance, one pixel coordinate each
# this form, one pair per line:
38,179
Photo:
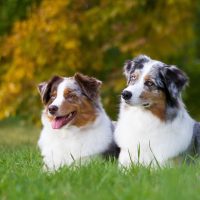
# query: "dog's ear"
136,63
174,80
44,88
128,67
89,85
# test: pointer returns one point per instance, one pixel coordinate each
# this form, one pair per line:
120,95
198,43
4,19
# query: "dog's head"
70,101
153,85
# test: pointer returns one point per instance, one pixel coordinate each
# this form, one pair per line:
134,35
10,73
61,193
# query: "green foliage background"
40,38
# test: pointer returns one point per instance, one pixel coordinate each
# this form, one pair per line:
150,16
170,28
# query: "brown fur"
86,112
149,78
158,103
82,105
50,117
54,93
67,92
70,95
89,85
47,88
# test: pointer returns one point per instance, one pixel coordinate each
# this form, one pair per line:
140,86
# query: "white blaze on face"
66,83
138,87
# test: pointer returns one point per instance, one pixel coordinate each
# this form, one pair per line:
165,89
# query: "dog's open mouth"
61,121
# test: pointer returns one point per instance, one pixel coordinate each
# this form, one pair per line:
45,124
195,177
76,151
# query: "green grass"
21,176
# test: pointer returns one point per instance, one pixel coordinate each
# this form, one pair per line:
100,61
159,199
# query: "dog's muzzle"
126,95
53,109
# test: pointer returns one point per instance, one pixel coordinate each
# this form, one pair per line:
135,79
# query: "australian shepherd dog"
75,125
153,126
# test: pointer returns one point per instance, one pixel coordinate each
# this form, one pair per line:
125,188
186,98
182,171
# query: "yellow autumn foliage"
93,37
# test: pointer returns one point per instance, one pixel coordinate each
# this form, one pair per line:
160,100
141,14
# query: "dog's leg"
125,159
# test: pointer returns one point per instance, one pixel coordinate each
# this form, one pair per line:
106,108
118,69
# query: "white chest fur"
62,147
142,137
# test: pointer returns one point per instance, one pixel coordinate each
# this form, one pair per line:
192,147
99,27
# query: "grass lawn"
21,176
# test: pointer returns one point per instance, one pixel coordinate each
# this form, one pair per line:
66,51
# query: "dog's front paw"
124,159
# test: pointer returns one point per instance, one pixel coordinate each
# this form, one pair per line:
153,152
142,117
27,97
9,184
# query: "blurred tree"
12,10
91,36
192,66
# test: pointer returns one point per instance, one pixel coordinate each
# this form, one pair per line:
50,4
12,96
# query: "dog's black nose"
53,109
126,95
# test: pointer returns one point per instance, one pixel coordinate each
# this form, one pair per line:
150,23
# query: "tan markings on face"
86,113
70,96
158,103
67,107
50,117
148,79
53,93
67,92
70,103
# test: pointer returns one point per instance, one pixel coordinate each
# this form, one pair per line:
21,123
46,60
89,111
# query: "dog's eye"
70,96
53,92
53,96
149,83
133,77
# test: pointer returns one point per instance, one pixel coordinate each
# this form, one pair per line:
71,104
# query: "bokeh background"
41,38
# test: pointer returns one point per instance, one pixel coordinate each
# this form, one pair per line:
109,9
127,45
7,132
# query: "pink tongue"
58,122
